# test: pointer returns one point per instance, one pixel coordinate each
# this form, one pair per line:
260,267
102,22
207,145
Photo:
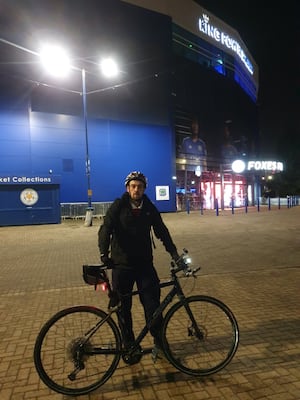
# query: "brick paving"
250,261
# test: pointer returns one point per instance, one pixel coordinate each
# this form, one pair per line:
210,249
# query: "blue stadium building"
67,144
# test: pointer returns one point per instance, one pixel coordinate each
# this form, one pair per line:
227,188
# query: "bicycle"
79,348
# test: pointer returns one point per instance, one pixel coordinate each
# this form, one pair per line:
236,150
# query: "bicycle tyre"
213,349
58,343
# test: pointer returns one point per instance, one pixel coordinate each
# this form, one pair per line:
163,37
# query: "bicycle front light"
187,260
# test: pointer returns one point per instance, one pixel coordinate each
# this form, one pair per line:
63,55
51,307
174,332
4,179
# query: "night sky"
270,30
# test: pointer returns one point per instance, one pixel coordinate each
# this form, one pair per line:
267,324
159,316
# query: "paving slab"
251,261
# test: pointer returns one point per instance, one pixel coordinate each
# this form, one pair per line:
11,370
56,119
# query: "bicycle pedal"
132,359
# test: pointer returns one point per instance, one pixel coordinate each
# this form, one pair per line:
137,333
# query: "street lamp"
56,61
89,210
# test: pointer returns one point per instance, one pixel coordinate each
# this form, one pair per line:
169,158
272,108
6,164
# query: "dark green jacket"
128,237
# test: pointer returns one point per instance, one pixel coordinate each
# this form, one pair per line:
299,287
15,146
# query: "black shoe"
157,351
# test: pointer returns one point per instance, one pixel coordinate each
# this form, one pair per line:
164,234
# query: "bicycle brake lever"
192,272
188,272
195,270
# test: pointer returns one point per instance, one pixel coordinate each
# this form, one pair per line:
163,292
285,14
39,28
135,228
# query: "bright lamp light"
109,67
55,60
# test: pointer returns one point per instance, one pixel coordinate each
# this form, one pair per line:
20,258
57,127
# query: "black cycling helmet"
136,176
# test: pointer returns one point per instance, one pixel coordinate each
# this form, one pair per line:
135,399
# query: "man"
193,147
126,233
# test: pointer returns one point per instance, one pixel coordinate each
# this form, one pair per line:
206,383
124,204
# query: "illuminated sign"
265,165
240,166
226,40
162,193
18,180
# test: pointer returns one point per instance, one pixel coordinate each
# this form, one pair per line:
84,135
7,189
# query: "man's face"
135,189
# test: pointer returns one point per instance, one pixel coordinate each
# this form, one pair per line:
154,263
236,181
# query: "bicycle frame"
176,290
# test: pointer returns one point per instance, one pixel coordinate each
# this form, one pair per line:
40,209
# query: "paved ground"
250,261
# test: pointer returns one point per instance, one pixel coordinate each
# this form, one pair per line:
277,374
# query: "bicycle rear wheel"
73,355
200,335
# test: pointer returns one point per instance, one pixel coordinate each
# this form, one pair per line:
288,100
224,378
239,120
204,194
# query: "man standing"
193,147
125,243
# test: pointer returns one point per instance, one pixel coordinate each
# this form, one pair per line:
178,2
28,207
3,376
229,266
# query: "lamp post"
89,210
56,61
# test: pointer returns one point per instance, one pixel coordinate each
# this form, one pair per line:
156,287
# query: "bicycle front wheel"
200,335
77,350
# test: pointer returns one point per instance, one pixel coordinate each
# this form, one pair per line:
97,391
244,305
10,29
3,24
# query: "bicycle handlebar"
183,264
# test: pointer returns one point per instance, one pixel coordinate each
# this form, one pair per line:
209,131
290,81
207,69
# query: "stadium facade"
179,62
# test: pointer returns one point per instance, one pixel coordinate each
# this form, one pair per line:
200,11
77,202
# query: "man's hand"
108,262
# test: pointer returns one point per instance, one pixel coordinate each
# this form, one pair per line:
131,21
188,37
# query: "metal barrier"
290,201
100,209
78,210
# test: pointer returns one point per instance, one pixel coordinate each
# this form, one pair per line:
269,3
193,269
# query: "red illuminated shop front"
230,185
203,191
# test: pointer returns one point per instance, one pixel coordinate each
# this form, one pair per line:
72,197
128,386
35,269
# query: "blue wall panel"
55,144
14,141
123,147
55,139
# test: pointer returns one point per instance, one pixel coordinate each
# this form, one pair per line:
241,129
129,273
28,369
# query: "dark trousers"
147,283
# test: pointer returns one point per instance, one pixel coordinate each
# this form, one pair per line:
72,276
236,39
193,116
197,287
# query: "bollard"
232,205
188,206
278,203
217,207
258,204
88,217
269,203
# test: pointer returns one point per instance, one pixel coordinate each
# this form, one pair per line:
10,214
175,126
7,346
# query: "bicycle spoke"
67,361
207,347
